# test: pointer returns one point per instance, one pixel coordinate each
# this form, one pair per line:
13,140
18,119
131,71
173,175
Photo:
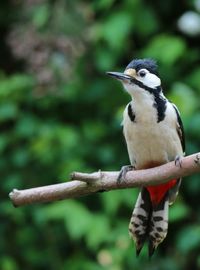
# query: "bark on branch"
87,183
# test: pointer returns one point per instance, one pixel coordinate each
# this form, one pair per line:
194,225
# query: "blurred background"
59,112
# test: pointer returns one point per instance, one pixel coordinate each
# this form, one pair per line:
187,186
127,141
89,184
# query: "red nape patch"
158,192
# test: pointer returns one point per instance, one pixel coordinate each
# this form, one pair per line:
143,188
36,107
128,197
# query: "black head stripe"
161,105
160,102
143,86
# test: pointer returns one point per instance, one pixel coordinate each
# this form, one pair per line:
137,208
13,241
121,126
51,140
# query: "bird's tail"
149,222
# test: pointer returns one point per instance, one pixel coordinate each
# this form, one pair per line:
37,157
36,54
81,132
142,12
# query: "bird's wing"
173,192
180,129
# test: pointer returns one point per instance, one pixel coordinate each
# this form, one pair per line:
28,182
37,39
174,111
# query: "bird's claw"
123,172
178,161
197,159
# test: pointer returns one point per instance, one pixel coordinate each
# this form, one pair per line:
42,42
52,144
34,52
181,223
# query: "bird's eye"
142,73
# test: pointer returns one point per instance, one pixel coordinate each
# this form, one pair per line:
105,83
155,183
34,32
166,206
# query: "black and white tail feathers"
149,223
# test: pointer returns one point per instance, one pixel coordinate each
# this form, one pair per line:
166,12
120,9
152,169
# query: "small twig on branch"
87,183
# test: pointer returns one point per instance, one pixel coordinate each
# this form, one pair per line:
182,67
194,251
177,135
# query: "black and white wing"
180,128
173,192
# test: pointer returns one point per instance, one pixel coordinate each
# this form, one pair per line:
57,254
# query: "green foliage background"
59,113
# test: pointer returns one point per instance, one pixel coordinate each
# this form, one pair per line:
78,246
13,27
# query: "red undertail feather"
158,192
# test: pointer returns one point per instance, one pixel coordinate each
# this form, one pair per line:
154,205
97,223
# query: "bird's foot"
178,161
123,172
197,159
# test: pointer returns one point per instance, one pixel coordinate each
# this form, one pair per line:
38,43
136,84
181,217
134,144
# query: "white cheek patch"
150,80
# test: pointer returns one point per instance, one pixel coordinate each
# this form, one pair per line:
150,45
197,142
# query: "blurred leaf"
111,202
81,263
27,126
168,49
194,125
8,263
104,59
41,15
188,238
147,29
78,220
3,142
178,211
98,232
103,4
116,29
54,139
12,86
94,131
194,79
51,212
8,111
184,98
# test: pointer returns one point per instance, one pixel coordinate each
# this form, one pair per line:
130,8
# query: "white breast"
150,143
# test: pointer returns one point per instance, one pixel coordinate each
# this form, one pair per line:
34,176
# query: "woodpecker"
154,135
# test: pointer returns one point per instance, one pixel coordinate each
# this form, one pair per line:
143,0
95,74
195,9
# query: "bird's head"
139,75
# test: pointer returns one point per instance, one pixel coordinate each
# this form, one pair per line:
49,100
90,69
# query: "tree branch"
87,183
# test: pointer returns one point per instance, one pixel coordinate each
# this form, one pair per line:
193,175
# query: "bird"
154,135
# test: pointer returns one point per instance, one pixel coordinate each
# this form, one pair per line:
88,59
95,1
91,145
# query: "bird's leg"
123,172
178,161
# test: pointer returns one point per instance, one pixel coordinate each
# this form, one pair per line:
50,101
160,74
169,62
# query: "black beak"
120,76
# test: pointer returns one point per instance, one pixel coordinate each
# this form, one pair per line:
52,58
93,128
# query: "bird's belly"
151,145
